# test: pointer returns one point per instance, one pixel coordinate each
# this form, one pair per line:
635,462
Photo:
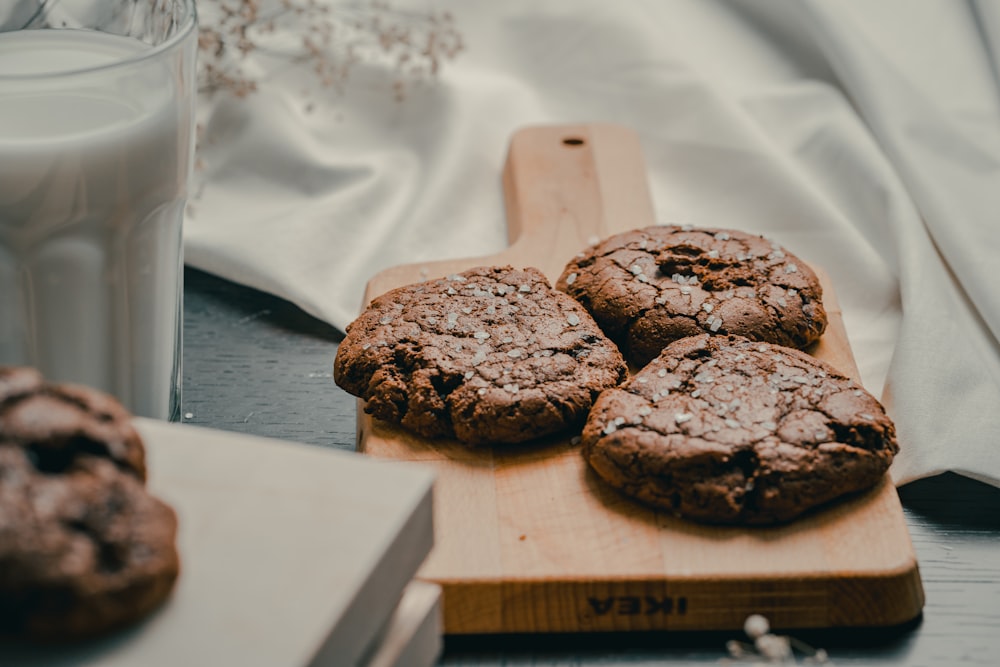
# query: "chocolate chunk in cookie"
649,287
491,355
60,421
723,429
84,548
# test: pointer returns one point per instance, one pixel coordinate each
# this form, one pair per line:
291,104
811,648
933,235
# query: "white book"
413,636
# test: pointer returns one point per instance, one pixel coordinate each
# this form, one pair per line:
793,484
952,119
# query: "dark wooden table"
257,364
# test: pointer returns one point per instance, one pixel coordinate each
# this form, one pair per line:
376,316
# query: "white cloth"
864,136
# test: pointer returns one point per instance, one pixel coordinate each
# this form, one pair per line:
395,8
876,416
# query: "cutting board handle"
567,185
564,187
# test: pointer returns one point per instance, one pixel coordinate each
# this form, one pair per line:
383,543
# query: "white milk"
92,185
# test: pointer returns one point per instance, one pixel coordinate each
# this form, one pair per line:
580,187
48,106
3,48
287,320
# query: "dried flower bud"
773,647
756,626
736,649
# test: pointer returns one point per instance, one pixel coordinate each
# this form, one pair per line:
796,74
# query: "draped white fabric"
864,136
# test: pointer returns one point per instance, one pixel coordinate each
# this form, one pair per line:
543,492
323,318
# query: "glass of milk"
97,110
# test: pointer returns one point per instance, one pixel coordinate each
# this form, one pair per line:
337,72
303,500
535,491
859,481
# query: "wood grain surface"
529,540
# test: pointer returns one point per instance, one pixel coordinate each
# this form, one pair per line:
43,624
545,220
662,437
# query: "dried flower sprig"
328,37
772,648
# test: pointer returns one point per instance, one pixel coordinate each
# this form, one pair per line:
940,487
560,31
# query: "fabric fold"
945,373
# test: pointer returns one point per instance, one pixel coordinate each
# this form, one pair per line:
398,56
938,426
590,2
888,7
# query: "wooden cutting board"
529,540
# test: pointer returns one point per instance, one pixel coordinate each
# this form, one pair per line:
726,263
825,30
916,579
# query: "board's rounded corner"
891,597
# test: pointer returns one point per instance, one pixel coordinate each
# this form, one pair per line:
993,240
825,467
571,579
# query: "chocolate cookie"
84,549
491,355
649,287
723,429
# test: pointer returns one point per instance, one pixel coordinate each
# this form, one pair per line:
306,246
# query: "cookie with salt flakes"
488,356
722,429
649,287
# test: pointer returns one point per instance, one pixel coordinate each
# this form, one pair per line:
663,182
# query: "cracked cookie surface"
488,356
84,548
723,429
649,287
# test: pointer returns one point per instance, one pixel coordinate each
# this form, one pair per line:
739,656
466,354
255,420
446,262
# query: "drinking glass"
97,104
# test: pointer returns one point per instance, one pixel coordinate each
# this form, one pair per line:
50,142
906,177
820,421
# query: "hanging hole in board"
573,141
